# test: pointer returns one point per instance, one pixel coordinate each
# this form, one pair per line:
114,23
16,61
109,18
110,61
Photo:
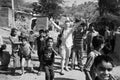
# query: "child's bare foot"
61,73
66,68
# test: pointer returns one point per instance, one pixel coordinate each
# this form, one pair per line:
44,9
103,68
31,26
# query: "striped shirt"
78,37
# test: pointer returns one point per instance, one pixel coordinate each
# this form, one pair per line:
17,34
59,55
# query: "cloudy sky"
68,2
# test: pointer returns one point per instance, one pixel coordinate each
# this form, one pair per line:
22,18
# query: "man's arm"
58,27
88,74
31,49
56,53
0,63
15,42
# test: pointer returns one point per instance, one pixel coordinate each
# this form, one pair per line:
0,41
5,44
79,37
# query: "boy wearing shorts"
26,51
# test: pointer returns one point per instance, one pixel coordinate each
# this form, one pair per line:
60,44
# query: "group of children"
22,50
97,67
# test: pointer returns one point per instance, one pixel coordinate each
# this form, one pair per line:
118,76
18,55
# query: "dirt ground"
71,75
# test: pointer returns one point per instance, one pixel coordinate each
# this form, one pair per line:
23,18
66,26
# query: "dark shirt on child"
48,56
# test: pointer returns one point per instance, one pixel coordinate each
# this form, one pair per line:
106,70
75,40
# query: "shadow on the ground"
57,67
58,58
9,73
57,63
63,79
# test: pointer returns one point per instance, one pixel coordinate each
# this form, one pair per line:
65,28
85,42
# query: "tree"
109,11
50,8
108,6
5,3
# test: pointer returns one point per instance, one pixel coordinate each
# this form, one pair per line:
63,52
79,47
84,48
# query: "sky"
67,2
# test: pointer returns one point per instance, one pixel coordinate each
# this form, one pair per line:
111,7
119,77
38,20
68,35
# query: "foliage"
18,4
88,10
110,10
109,6
50,8
5,3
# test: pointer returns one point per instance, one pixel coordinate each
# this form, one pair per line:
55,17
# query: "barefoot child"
48,57
26,54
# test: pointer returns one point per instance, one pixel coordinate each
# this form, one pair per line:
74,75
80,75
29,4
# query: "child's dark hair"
98,60
97,41
31,32
12,31
24,38
3,47
41,31
49,38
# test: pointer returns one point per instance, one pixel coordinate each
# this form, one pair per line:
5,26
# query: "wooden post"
13,13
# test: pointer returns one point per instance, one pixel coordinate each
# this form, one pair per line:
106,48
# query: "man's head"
41,32
83,25
46,32
49,42
98,42
13,32
80,28
67,24
31,32
92,26
24,40
3,47
103,67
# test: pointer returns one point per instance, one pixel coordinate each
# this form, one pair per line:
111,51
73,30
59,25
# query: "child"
78,45
31,38
14,39
98,43
48,59
90,34
26,54
40,46
103,67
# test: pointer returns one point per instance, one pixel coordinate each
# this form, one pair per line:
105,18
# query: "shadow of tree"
63,79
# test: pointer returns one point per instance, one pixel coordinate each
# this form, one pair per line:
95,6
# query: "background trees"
110,11
50,8
87,10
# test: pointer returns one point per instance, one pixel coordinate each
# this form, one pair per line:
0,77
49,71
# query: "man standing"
40,46
66,44
79,36
91,33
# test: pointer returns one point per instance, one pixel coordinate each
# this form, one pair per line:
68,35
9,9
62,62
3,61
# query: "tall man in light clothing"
66,44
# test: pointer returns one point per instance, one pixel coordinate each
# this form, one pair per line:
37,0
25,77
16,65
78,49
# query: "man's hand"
0,63
51,19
